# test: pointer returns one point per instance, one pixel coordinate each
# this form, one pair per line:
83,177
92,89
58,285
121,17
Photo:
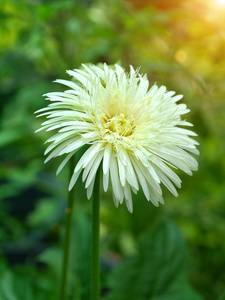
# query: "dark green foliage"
158,271
22,283
223,297
81,258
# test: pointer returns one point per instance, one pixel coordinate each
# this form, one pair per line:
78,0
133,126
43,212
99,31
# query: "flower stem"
68,227
95,268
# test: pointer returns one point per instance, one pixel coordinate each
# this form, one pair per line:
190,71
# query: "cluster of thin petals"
135,133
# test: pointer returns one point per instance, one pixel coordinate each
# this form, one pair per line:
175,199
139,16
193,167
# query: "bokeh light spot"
68,210
180,55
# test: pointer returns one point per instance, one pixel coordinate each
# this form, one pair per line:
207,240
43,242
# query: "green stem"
95,269
68,226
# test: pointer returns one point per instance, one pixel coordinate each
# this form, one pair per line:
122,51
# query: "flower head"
134,131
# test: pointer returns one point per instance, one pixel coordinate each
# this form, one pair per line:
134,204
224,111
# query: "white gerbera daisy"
133,131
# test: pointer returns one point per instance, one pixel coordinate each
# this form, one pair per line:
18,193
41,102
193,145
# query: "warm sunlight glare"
221,2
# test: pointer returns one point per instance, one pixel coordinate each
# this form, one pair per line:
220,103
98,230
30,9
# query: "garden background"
173,252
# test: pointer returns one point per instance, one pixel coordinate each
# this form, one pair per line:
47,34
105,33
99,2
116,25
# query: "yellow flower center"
119,124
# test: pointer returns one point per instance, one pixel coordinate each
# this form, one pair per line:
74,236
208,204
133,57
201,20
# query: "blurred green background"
174,252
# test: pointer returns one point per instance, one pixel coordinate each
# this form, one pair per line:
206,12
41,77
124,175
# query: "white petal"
167,182
94,168
63,163
121,172
106,158
56,152
122,154
115,201
130,175
150,179
116,185
88,166
177,98
141,179
88,155
90,188
156,198
153,173
74,179
169,173
75,145
105,181
128,198
67,83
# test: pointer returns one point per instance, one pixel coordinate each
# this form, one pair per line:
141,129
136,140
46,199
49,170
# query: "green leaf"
80,279
18,283
9,136
223,296
158,272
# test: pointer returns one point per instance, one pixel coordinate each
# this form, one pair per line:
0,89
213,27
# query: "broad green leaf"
223,296
158,272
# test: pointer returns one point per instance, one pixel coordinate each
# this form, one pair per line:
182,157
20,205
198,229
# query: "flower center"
119,124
